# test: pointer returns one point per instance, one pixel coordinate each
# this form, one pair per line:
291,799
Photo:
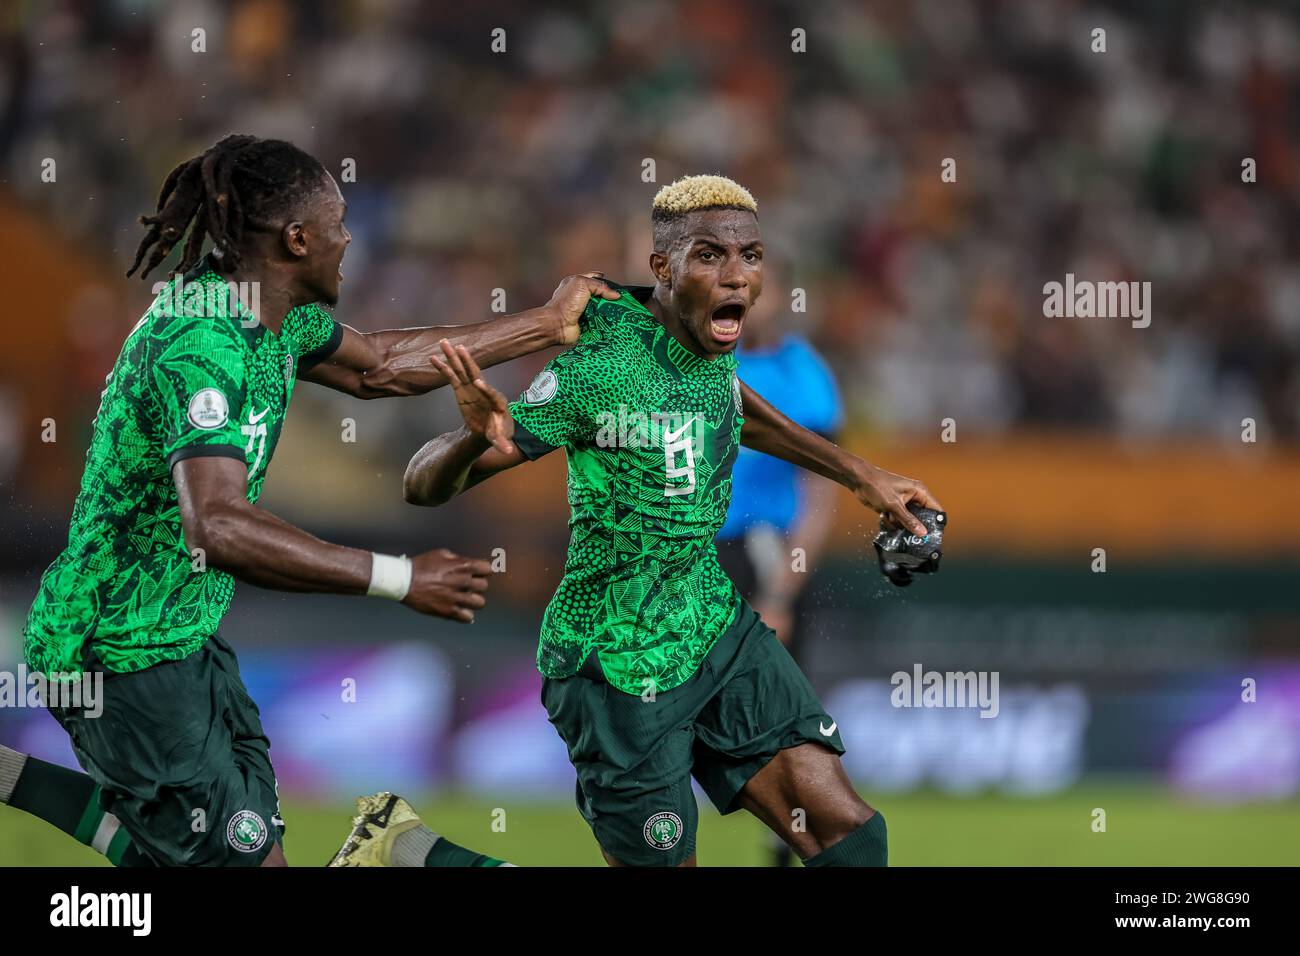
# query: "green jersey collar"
681,357
205,274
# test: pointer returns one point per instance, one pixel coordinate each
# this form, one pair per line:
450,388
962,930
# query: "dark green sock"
69,800
868,845
446,853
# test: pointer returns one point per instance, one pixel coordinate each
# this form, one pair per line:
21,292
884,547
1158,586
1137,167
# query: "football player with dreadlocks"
167,518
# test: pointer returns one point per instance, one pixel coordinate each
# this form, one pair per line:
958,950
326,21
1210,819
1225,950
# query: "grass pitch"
1145,826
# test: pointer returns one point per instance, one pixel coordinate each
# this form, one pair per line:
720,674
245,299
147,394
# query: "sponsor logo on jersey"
663,830
543,389
208,409
673,436
246,831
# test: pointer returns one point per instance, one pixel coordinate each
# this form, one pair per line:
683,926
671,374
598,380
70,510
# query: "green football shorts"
182,761
635,755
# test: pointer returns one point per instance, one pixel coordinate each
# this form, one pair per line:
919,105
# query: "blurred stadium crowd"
478,170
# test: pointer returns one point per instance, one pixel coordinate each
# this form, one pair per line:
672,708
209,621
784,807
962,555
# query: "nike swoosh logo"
827,731
672,436
254,419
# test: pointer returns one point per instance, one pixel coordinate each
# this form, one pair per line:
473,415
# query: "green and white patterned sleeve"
316,333
561,407
200,381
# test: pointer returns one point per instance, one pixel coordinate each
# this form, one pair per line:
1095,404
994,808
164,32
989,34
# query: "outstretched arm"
460,459
396,362
768,431
452,463
260,548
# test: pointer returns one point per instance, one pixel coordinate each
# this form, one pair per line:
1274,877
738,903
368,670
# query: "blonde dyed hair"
701,192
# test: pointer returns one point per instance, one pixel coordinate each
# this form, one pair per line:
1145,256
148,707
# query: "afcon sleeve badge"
543,389
902,554
208,409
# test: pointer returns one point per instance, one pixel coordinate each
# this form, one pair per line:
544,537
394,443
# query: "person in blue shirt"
776,508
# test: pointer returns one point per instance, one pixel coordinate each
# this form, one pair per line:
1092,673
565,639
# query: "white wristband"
390,576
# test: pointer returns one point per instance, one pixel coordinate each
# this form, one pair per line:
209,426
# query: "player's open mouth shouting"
726,321
716,276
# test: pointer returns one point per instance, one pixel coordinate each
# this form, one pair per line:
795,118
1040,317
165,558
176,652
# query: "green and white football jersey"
651,431
198,375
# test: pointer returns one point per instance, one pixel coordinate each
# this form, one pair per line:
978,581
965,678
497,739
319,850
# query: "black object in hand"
902,553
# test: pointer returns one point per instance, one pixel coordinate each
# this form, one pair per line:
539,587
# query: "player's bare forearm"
399,361
254,545
440,470
769,431
481,447
395,362
765,429
260,548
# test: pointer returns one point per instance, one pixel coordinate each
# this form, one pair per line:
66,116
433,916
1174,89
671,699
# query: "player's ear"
659,266
294,236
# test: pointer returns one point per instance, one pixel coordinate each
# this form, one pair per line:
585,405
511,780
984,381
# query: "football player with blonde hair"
655,669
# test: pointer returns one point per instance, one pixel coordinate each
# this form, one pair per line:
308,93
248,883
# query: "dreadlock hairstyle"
239,184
